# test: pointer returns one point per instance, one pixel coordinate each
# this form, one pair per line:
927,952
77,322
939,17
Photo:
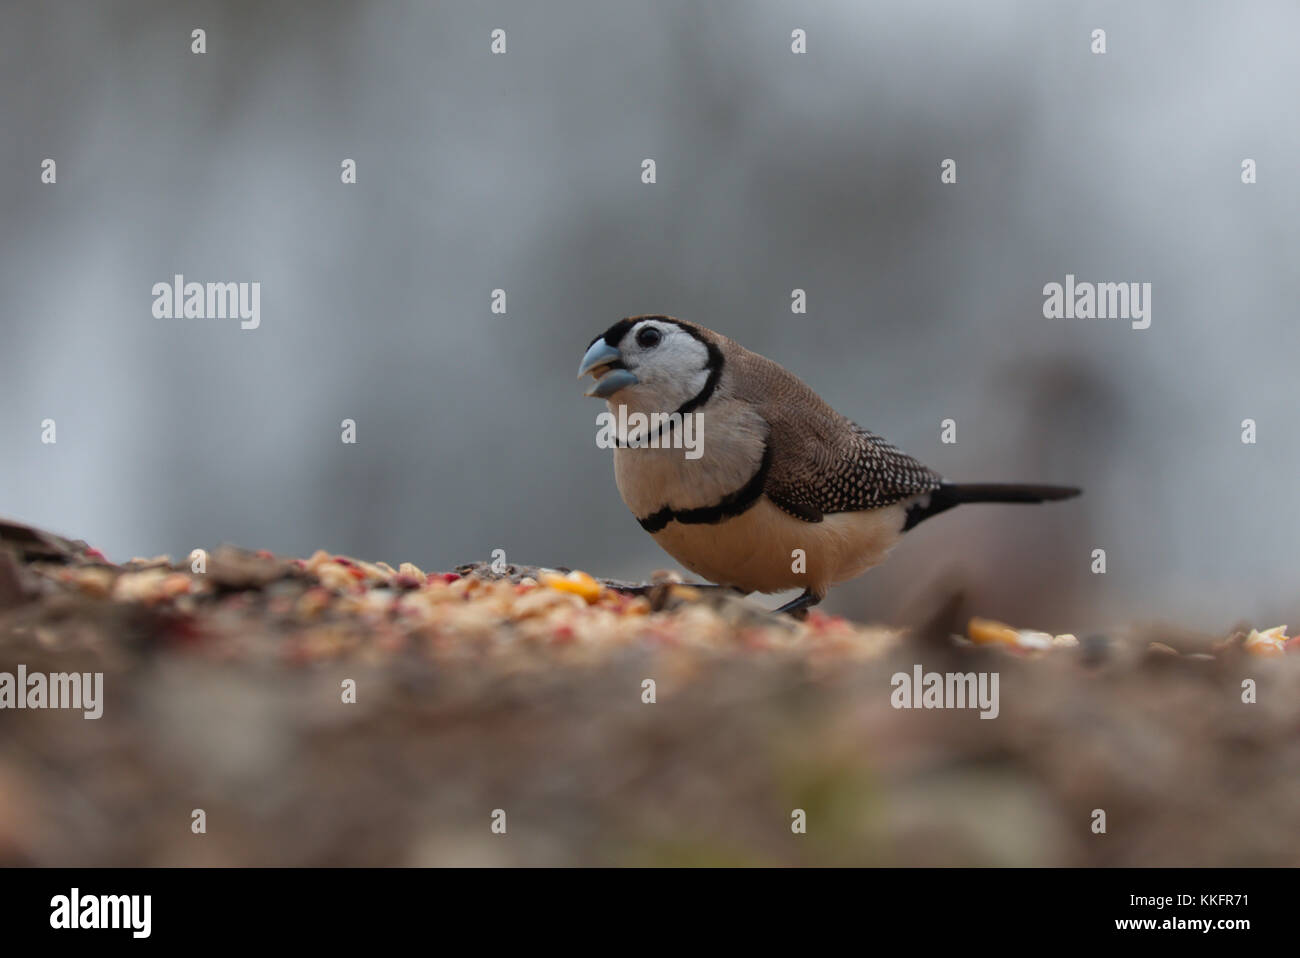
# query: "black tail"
955,494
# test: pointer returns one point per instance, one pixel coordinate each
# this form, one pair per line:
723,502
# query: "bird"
784,492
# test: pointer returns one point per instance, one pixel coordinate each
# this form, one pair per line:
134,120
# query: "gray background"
775,171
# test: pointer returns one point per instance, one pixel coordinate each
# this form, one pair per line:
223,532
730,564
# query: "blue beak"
609,381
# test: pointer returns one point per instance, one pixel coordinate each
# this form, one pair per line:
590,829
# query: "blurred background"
775,171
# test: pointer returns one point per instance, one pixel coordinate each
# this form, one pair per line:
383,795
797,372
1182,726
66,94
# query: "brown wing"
848,473
821,461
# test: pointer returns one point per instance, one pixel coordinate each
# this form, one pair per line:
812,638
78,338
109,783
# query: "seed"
177,583
578,583
990,632
95,581
334,576
1028,639
1270,642
318,558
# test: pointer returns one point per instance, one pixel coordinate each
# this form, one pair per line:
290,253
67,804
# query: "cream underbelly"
755,551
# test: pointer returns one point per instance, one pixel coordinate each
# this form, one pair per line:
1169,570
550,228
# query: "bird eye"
648,338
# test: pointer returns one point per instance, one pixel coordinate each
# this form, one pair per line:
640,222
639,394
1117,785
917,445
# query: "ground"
518,699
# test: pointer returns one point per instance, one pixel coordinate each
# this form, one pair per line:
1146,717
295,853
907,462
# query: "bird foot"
798,608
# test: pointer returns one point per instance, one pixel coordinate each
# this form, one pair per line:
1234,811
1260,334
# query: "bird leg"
798,608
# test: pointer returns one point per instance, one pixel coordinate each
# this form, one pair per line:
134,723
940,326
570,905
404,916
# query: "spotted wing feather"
823,463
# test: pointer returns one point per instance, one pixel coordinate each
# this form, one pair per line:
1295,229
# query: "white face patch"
671,368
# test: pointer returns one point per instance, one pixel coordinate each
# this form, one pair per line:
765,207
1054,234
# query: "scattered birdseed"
990,632
332,606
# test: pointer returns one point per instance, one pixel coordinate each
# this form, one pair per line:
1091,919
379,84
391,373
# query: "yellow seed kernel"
990,632
578,583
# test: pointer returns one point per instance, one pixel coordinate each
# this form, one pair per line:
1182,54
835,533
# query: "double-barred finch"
779,469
